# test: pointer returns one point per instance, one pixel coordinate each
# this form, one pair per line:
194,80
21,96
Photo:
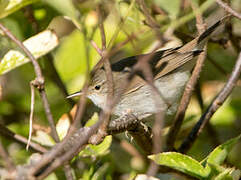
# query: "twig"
138,130
68,172
80,138
213,107
59,149
56,79
20,139
122,21
210,129
227,8
159,116
96,47
109,76
67,144
175,127
28,13
150,20
102,132
31,115
38,82
8,162
82,102
54,75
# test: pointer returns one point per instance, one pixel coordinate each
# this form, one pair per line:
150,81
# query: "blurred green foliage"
110,159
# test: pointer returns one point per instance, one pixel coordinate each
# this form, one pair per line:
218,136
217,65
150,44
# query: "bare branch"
8,162
213,107
31,115
20,139
227,8
175,127
38,82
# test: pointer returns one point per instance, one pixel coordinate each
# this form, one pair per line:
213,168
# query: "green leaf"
219,154
65,7
182,163
97,150
172,7
38,45
225,175
88,173
99,174
9,6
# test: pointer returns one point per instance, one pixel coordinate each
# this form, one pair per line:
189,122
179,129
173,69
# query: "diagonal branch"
189,87
7,161
38,82
213,107
227,8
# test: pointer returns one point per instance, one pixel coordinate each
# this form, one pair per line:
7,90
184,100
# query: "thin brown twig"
175,127
31,114
60,159
82,102
227,8
20,139
55,77
143,65
28,12
102,132
53,154
213,107
80,138
210,129
74,146
38,82
7,161
150,20
95,46
68,172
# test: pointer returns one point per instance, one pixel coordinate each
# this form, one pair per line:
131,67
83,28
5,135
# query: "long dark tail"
198,43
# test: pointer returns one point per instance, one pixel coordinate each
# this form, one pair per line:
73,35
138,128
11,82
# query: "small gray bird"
171,69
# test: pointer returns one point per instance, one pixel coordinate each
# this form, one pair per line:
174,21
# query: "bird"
171,70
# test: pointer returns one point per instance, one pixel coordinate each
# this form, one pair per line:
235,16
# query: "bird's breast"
142,102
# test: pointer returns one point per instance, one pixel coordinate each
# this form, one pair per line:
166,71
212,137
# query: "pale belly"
142,103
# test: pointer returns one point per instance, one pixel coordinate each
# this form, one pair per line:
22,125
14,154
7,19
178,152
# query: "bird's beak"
75,94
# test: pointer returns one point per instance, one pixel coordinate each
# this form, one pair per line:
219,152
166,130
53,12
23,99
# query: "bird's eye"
97,87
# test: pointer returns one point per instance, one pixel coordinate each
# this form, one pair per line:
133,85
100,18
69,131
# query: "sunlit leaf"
38,45
64,122
172,7
64,7
219,154
99,174
88,173
9,6
225,175
43,138
181,162
97,150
